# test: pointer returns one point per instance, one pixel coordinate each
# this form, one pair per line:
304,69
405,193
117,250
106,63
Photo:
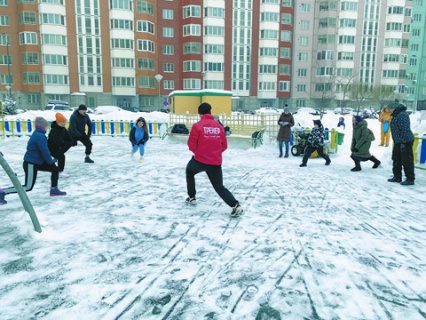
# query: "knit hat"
393,104
204,108
60,118
82,107
286,109
358,119
41,122
317,122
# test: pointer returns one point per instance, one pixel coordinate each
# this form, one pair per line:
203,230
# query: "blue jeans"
287,146
141,148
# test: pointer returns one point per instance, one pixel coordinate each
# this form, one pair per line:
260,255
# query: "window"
285,35
302,72
286,18
168,84
122,44
285,69
4,20
214,31
5,79
413,62
122,63
211,48
268,52
191,11
145,7
390,74
300,103
168,32
52,2
414,47
191,65
288,3
214,12
191,84
323,87
5,59
191,30
301,88
328,5
346,39
271,1
349,6
407,12
54,39
121,4
267,69
417,17
30,77
167,14
168,50
123,81
34,98
26,17
55,59
348,23
3,3
304,24
268,34
51,18
169,67
391,58
404,58
285,53
269,16
4,40
213,84
268,86
55,79
415,32
393,26
344,72
395,10
121,24
145,26
284,86
325,55
327,22
407,27
146,82
146,64
147,101
27,38
390,42
303,56
213,66
324,71
304,41
146,45
304,7
326,39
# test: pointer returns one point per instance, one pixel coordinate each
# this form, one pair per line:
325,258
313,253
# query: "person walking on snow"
286,121
138,137
207,141
59,142
315,142
385,117
37,158
78,122
361,142
402,152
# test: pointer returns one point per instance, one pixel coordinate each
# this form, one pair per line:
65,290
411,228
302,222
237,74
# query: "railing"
419,152
18,128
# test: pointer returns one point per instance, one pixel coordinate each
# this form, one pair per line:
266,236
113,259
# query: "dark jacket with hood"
400,126
284,134
59,140
361,140
78,125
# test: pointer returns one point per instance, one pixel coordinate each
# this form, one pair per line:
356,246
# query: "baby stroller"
300,144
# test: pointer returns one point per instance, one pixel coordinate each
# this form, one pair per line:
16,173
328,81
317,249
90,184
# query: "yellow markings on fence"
107,127
127,127
415,145
98,127
155,127
24,126
117,127
332,139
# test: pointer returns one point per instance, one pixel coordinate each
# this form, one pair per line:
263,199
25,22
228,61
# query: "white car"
267,110
106,109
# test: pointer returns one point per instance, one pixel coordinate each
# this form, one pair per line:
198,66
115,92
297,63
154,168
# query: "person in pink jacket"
207,141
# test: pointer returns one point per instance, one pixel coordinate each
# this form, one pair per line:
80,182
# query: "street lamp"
159,77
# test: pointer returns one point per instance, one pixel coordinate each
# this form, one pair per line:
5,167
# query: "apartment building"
129,53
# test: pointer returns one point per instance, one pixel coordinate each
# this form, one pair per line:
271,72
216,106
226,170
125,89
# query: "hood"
398,110
360,124
54,125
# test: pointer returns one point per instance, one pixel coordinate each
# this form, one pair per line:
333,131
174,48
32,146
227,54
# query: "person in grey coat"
77,130
286,121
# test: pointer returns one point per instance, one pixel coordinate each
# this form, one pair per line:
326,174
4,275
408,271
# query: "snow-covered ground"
313,243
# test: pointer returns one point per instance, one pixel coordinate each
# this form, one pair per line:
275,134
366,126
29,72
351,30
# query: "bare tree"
327,93
345,85
361,93
383,95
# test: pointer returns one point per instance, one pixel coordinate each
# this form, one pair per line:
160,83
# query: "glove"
387,121
383,120
285,123
403,148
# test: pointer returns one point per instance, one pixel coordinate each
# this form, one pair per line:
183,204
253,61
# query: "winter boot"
327,161
54,191
88,160
357,165
393,179
375,160
407,183
191,200
237,210
63,174
281,155
2,195
141,160
132,154
286,155
302,165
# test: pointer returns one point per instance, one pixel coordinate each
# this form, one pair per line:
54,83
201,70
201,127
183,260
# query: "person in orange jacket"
385,117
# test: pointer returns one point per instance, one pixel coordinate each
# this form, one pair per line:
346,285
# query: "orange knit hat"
60,118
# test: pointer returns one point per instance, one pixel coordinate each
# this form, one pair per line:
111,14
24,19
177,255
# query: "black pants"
61,158
85,139
31,175
403,159
215,176
309,150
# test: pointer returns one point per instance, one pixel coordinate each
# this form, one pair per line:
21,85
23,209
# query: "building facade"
305,53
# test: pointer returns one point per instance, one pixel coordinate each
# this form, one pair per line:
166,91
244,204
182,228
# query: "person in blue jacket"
341,123
37,158
138,137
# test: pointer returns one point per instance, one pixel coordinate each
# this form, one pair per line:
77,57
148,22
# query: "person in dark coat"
59,142
77,130
138,137
37,158
286,121
315,142
361,143
402,152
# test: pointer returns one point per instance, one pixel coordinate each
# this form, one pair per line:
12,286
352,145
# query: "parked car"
267,110
343,111
131,109
58,105
106,109
164,110
311,111
369,113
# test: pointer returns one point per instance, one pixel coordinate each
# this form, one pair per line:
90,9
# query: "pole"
8,66
2,120
158,105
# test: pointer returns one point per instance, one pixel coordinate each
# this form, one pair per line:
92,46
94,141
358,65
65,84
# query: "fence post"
423,151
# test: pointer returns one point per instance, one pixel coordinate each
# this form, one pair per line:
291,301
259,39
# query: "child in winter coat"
341,123
385,117
138,137
361,142
59,142
37,158
286,121
315,143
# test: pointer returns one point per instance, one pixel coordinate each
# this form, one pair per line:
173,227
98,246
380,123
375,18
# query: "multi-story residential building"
305,53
